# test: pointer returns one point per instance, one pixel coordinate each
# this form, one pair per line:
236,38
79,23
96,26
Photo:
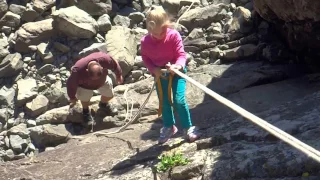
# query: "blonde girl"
162,48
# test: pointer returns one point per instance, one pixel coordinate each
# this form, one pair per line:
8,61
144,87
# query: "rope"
308,150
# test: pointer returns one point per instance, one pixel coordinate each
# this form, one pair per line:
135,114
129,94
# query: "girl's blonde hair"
157,17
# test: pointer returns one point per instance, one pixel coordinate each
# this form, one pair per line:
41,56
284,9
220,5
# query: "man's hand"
172,67
120,79
73,102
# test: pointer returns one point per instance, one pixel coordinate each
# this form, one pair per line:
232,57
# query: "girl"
160,48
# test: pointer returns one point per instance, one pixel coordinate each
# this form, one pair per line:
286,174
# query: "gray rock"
240,52
202,17
42,6
122,21
136,17
31,123
61,47
75,22
27,90
216,28
195,41
20,130
55,92
95,7
7,97
7,31
45,53
173,6
10,19
33,33
3,7
47,68
29,14
104,23
4,115
17,9
17,143
122,38
49,134
138,61
137,74
241,21
37,106
11,65
9,154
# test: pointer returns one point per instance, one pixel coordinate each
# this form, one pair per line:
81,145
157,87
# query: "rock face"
229,48
297,19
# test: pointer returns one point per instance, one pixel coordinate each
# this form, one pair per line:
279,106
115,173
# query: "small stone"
9,154
6,30
122,21
10,123
20,130
137,74
47,68
7,96
52,78
45,54
31,123
17,143
10,19
136,17
61,47
29,14
49,148
17,9
104,23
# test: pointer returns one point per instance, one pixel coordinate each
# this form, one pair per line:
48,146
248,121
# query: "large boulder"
75,22
33,33
122,46
298,20
202,17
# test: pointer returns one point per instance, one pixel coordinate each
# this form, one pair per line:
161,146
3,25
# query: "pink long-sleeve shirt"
157,53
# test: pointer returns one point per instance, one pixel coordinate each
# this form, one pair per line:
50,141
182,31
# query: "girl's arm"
146,60
180,54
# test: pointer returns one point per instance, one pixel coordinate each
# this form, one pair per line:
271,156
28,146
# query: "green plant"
168,161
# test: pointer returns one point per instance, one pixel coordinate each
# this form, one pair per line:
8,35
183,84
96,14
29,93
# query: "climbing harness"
160,90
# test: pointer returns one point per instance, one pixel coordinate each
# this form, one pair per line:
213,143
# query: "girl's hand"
172,67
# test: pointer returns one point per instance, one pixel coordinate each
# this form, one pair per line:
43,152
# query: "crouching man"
91,73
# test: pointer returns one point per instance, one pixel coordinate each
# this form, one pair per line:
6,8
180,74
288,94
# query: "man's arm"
72,84
108,62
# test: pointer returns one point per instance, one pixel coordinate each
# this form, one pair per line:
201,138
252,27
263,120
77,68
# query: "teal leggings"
179,102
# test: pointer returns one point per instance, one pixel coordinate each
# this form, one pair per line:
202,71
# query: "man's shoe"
88,119
108,109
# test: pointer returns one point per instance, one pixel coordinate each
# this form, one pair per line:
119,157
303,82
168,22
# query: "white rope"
308,150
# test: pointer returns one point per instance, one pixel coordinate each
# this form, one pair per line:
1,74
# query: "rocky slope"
230,50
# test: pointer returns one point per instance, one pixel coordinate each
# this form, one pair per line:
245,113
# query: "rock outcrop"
230,49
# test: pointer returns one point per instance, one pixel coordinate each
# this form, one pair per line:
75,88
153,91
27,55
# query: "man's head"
95,70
